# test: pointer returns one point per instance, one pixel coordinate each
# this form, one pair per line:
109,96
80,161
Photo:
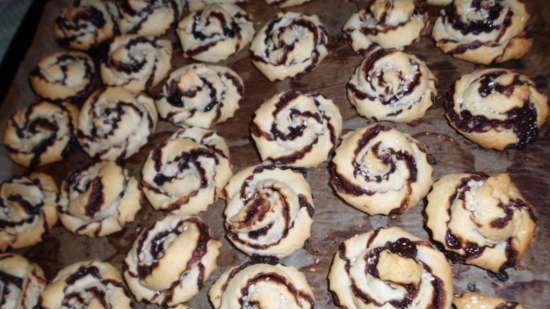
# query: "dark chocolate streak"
522,120
484,25
390,157
320,38
405,248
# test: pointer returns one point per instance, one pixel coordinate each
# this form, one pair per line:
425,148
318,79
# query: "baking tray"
335,221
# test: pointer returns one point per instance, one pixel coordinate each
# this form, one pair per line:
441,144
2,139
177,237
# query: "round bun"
385,23
29,210
486,32
115,123
149,17
269,210
85,24
296,129
262,285
286,3
392,85
200,95
41,133
390,268
137,63
380,170
497,108
195,5
187,172
290,45
87,284
480,220
215,32
22,282
99,199
170,261
477,301
66,76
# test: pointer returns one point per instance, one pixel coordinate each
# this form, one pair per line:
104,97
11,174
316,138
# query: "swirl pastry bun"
385,23
392,85
149,17
480,220
478,301
200,95
286,3
170,261
263,285
66,76
290,45
269,210
390,268
115,123
99,199
380,170
195,5
497,108
483,31
28,210
85,24
22,282
87,284
187,173
136,62
296,129
215,32
41,133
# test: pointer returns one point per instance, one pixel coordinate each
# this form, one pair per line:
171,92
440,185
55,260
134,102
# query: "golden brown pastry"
483,31
480,220
478,301
385,23
261,285
28,210
136,63
87,284
21,282
392,85
380,170
390,268
293,44
85,24
149,17
187,172
41,133
269,210
216,32
114,123
296,129
170,261
99,199
497,108
64,76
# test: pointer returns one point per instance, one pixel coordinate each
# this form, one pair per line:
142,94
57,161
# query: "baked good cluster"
107,92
